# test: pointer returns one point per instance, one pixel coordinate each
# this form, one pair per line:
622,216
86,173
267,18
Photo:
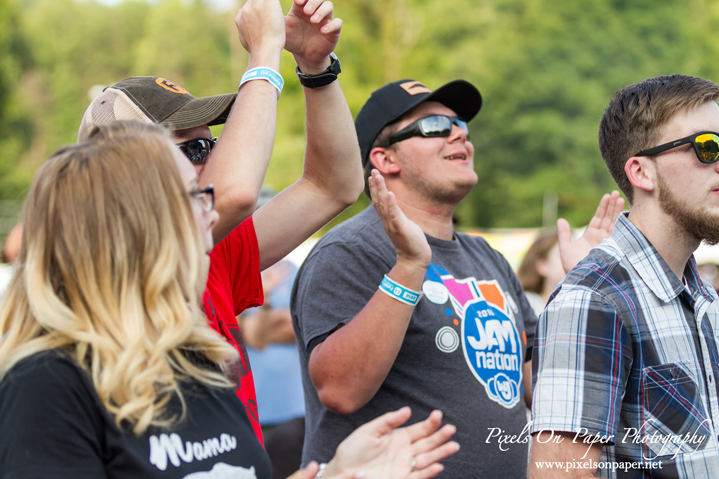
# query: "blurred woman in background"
541,270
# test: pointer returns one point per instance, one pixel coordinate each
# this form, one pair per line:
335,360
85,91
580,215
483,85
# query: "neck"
671,241
434,220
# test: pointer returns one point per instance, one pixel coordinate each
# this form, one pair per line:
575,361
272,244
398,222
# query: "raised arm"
239,162
332,177
348,368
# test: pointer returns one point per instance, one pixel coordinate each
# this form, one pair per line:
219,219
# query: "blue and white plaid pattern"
625,352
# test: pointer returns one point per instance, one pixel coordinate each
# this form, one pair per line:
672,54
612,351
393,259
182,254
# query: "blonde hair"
109,272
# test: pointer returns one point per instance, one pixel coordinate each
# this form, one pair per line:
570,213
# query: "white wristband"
399,292
264,73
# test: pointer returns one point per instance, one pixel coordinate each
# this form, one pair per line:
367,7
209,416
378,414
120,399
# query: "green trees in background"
546,70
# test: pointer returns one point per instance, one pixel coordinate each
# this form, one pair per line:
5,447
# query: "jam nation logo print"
491,343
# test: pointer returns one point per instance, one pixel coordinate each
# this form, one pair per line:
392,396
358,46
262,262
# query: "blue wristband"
399,292
264,73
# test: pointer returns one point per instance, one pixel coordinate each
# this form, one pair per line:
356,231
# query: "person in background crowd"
9,253
626,352
108,367
380,303
541,270
272,350
236,164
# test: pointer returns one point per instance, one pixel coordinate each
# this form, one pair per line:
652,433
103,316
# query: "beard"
698,222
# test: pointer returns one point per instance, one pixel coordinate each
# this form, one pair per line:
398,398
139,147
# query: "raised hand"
312,34
381,449
600,228
408,239
261,25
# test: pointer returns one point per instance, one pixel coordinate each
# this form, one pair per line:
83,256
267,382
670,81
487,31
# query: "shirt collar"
651,267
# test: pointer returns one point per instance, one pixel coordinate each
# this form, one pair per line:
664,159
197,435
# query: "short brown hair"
632,122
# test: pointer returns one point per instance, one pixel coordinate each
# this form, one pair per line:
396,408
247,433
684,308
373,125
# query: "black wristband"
321,79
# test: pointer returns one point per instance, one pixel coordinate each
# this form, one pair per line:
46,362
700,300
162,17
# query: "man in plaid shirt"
626,362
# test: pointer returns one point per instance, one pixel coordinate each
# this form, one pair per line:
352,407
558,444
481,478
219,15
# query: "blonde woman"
107,366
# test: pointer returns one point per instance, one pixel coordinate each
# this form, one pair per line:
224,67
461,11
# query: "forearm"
570,457
268,326
349,367
239,162
332,159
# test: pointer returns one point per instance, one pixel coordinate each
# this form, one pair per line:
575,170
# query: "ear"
642,173
385,160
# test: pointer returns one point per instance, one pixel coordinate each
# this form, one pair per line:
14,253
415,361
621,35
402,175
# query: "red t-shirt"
233,285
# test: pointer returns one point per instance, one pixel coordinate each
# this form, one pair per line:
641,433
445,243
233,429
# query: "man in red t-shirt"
332,176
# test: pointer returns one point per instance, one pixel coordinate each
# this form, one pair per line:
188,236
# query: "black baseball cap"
390,102
155,100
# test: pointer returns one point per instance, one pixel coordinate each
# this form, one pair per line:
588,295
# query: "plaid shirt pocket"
674,421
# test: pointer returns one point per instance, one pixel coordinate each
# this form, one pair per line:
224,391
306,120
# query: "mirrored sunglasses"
198,149
430,127
706,146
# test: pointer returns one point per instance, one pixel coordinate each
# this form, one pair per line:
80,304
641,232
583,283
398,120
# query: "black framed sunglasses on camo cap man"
198,149
430,127
706,146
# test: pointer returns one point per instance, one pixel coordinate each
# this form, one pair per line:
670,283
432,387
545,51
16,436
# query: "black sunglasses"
206,196
198,149
430,127
706,146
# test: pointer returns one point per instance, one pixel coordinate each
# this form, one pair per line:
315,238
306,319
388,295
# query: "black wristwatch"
321,79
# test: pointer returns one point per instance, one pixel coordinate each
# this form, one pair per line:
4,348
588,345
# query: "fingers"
424,428
322,12
435,440
308,472
427,472
564,239
387,422
436,454
333,26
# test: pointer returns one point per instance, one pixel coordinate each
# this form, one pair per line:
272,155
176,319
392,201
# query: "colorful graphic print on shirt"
489,336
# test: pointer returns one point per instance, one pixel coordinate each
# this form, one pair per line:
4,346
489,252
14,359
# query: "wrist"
312,68
265,57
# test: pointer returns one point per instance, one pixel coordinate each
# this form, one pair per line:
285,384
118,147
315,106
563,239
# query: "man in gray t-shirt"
369,342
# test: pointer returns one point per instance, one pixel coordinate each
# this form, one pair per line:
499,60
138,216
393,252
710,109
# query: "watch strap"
321,79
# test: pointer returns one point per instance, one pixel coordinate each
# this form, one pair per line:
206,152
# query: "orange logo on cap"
168,85
414,88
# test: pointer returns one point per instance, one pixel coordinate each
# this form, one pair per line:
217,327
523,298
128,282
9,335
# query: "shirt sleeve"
333,286
582,360
50,424
237,256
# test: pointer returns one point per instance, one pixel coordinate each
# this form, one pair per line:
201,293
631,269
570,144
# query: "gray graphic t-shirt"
463,351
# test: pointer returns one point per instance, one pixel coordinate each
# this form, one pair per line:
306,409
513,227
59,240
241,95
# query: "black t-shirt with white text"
53,425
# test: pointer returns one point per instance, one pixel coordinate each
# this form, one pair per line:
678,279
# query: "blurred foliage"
546,70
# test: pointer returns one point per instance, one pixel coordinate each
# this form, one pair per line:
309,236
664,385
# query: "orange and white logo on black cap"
168,85
414,87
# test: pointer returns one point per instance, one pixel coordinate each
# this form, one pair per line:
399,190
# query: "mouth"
458,156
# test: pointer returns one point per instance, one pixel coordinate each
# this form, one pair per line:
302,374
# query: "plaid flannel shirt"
626,353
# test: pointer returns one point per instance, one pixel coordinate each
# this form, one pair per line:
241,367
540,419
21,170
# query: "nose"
457,134
212,218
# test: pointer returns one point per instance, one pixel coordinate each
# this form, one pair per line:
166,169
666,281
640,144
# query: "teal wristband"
264,73
399,292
